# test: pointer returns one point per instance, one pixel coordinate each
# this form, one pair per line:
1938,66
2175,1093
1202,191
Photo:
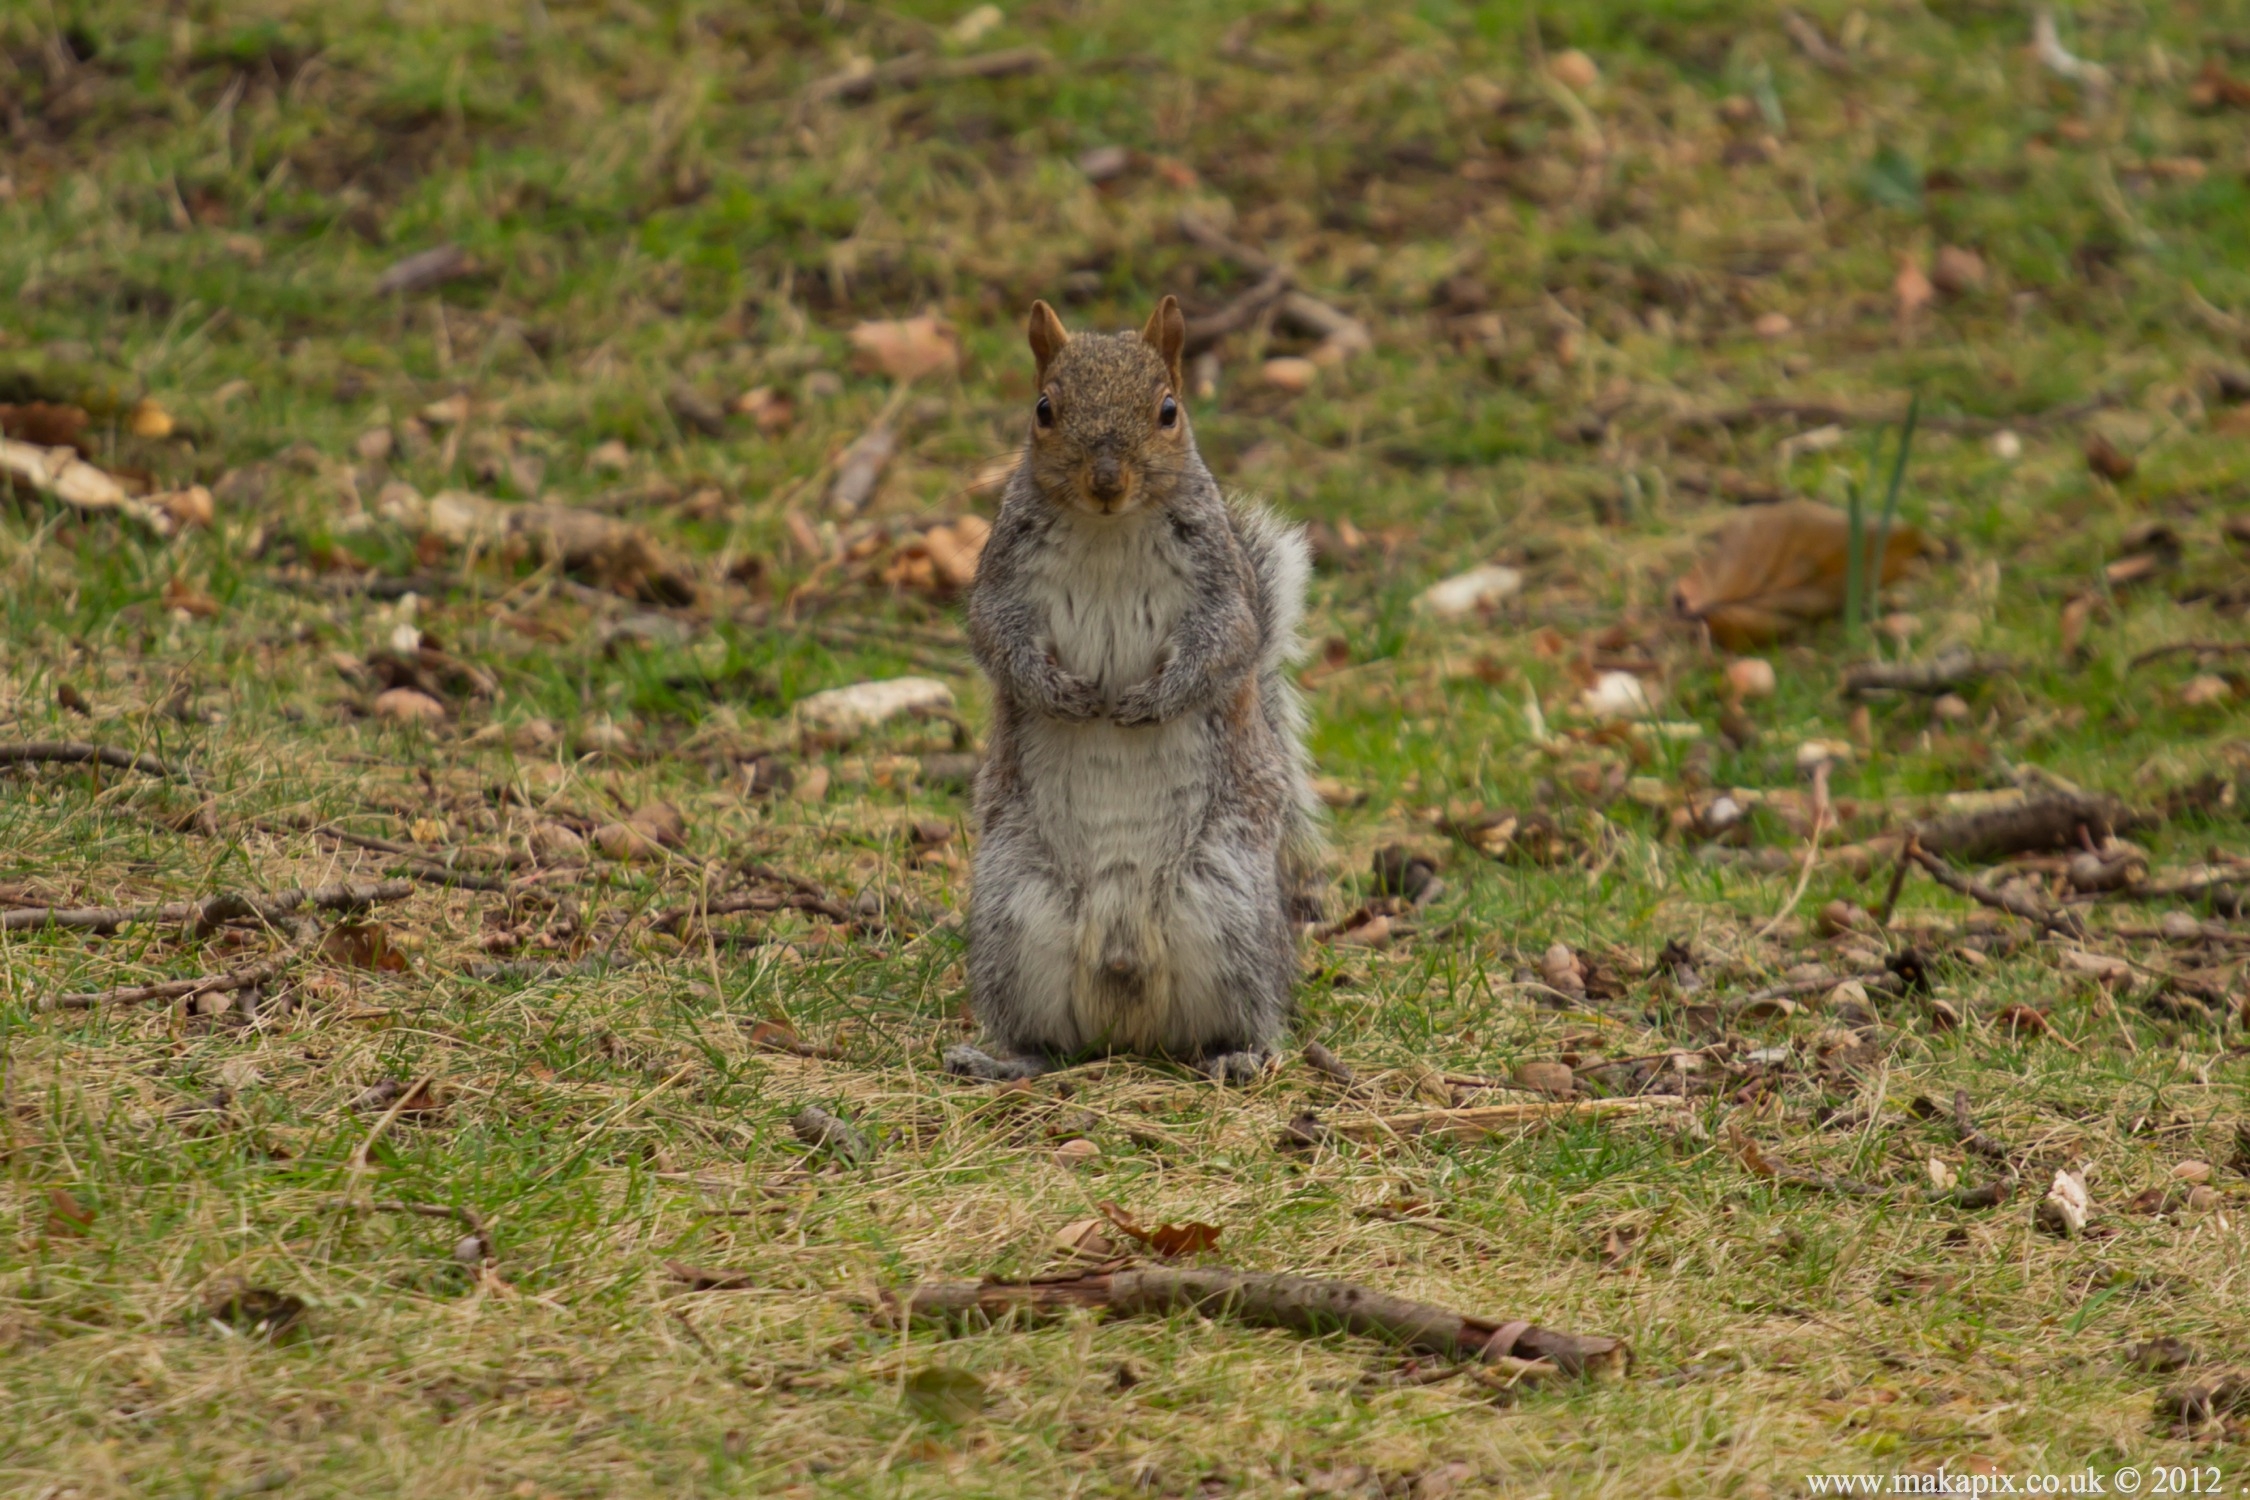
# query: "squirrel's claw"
1234,1067
965,1061
1138,705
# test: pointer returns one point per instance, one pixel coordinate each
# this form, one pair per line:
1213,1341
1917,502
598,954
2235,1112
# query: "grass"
194,206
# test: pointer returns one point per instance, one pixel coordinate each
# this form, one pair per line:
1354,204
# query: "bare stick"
1321,1060
468,1218
1299,1303
1791,988
916,69
1812,850
2200,648
79,752
1949,671
2008,901
1912,847
1208,329
1490,1118
171,989
1965,1125
209,913
2051,820
390,1117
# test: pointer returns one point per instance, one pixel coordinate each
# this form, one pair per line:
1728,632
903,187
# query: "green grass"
194,207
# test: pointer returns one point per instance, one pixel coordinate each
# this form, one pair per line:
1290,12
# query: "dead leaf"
1746,1149
1574,69
1291,374
1077,1153
1912,288
66,1215
408,706
189,507
1190,1238
363,945
1750,677
1083,1239
907,348
2214,88
1957,271
2075,616
149,420
847,711
1553,1079
1478,591
709,1279
2105,459
1775,568
773,411
182,595
50,424
946,1396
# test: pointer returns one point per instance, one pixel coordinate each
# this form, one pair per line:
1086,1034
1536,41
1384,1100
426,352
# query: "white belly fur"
1118,807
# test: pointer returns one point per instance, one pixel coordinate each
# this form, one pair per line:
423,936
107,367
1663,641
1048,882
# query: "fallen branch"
171,989
2200,648
727,906
1823,414
78,752
1208,329
2051,820
1973,1139
1952,670
209,913
2065,922
1299,1303
919,69
1809,40
473,1251
1790,989
1488,1119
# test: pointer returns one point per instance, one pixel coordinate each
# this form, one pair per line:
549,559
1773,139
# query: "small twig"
1208,329
1321,1060
1906,856
79,752
1815,46
918,68
171,989
1944,674
2065,922
468,1218
206,915
1791,988
1965,1125
1812,851
2200,648
398,1107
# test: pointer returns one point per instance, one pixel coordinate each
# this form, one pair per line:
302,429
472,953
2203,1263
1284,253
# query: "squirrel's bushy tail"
1281,559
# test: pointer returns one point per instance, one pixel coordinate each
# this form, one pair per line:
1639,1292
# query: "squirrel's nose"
1107,480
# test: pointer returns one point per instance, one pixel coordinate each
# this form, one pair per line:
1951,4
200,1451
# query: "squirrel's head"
1108,428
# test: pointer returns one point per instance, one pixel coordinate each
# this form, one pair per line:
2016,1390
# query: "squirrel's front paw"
1138,705
1073,697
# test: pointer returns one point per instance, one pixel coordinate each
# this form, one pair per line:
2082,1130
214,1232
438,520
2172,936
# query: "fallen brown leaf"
710,1279
2105,459
2215,88
1957,271
363,945
1190,1238
66,1215
50,424
1775,568
907,348
1912,288
182,595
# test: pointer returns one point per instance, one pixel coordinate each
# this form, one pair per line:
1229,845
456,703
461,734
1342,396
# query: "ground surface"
1577,282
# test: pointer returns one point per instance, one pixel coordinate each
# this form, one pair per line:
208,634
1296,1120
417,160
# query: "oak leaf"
1775,568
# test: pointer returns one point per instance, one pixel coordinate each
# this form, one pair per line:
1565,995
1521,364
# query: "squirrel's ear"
1047,337
1166,333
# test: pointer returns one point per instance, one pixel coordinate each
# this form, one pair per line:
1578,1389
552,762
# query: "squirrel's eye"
1045,412
1168,414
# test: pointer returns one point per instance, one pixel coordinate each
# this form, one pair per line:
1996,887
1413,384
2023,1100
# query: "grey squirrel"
1147,816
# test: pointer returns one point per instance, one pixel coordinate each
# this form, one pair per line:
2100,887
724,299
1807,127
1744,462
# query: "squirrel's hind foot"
965,1061
1244,1067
